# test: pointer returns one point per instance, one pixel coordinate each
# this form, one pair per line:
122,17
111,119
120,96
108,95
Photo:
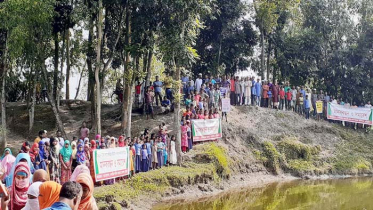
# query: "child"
80,155
173,157
184,137
197,97
166,102
149,150
205,115
154,154
216,95
216,113
138,155
210,114
160,147
200,115
189,132
188,101
144,158
288,99
201,103
282,98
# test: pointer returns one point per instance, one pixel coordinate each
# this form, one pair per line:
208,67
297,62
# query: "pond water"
352,193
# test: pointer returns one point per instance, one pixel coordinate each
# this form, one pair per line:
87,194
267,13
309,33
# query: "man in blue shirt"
253,93
258,91
70,196
307,107
158,89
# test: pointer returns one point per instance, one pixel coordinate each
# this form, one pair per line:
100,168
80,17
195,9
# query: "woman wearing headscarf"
7,161
112,142
87,201
18,190
80,155
43,154
98,138
33,194
121,142
91,163
34,151
35,156
25,147
66,162
21,157
49,193
73,147
54,165
79,170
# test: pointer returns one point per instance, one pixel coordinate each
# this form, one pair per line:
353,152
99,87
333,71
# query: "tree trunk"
98,67
148,68
52,102
127,96
177,117
80,81
32,108
268,59
59,83
68,64
262,54
56,58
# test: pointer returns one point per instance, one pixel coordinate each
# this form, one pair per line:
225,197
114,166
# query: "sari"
20,156
89,201
18,190
54,166
7,162
49,193
91,163
66,162
74,164
43,155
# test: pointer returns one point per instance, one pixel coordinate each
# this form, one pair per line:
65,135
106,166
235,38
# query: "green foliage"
293,149
272,156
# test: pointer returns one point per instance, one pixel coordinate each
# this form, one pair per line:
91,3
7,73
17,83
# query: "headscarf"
121,142
18,192
7,149
74,150
23,148
86,140
80,155
93,145
112,142
49,193
7,162
40,175
20,156
55,149
42,152
32,152
33,190
88,202
80,169
66,152
98,137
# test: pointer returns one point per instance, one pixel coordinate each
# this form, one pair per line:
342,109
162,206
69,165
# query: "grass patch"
301,166
272,156
293,149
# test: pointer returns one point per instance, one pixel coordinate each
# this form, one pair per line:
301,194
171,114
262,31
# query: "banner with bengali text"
111,163
355,115
204,130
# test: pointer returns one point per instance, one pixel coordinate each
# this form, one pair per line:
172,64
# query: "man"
313,101
206,80
368,105
199,83
286,89
253,93
258,89
237,90
149,101
307,108
293,98
233,92
42,135
70,196
158,89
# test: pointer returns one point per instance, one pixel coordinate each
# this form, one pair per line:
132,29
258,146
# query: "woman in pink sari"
184,137
7,161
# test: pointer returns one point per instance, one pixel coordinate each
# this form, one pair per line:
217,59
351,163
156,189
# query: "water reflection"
354,193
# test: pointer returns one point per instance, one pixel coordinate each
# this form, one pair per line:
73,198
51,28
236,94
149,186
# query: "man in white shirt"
60,139
199,82
368,105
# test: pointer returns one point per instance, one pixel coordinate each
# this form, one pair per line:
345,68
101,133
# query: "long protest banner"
355,115
203,130
111,163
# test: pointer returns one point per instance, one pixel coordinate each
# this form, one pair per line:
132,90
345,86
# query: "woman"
79,170
34,151
66,162
112,142
110,181
49,193
7,161
160,148
35,156
25,148
33,194
54,166
121,142
173,156
73,147
87,201
184,137
91,163
18,190
21,157
43,154
98,138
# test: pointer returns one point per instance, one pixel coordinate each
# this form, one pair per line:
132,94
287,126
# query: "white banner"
111,163
206,129
225,105
355,115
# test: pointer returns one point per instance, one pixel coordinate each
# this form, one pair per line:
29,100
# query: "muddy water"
341,194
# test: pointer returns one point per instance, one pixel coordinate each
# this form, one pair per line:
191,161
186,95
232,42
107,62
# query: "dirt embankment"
258,146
